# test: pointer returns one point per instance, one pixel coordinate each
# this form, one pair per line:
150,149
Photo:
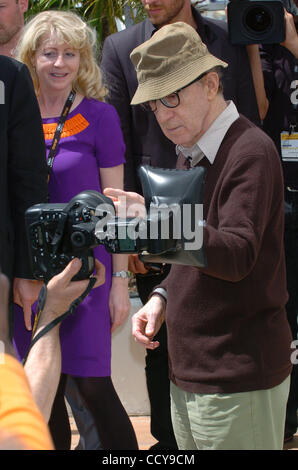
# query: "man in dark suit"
146,144
23,175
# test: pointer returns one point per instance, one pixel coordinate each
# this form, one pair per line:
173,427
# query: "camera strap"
58,131
41,303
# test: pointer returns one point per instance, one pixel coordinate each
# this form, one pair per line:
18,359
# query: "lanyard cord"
53,323
58,132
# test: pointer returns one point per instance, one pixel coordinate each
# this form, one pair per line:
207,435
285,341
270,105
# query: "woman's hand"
119,302
25,293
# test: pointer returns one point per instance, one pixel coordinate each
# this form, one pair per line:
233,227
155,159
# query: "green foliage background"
100,14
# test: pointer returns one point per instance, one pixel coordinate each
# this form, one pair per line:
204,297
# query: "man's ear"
212,83
23,4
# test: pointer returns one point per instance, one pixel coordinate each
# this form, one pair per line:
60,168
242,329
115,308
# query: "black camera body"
57,233
256,21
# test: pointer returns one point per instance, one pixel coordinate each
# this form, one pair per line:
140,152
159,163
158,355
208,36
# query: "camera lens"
258,19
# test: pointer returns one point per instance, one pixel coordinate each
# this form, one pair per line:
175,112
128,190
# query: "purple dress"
91,139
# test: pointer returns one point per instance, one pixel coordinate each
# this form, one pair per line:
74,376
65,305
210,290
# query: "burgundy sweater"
227,326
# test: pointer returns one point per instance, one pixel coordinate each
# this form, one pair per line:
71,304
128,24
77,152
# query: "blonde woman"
58,48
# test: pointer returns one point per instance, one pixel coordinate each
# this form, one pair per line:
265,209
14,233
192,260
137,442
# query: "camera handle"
52,324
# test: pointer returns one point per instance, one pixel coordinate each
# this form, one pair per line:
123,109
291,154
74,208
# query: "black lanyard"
52,324
58,132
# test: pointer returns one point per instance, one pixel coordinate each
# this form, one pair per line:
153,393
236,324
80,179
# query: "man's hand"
147,322
25,293
135,265
127,204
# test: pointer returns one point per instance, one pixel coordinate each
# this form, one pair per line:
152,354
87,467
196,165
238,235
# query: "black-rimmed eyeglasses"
170,101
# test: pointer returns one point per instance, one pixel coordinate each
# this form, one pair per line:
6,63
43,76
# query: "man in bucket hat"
229,341
146,144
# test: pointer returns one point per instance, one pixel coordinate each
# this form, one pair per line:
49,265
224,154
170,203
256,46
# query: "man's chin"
158,20
4,39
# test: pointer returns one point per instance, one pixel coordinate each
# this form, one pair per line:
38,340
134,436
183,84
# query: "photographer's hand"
147,322
62,291
43,365
291,40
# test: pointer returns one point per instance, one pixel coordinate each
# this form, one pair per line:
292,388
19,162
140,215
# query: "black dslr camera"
58,233
256,21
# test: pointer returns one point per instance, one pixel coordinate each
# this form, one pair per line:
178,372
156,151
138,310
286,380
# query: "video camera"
171,232
256,21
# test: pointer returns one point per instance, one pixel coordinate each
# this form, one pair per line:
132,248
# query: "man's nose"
149,2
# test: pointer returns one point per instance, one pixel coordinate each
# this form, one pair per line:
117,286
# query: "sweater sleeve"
249,205
20,417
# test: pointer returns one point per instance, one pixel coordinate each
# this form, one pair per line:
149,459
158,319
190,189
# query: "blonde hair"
69,28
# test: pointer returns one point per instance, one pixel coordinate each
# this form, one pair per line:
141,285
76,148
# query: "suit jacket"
23,173
145,142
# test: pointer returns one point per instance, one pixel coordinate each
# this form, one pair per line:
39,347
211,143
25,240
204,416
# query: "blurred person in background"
11,24
275,72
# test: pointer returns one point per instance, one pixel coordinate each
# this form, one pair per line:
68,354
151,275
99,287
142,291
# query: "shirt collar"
210,142
193,154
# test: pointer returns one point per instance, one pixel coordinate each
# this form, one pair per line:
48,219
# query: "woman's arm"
119,303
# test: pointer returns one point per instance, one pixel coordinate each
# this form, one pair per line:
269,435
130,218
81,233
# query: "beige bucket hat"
171,59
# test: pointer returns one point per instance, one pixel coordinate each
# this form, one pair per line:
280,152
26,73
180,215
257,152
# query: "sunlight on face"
56,64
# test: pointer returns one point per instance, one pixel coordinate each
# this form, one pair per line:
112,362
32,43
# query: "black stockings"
112,422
